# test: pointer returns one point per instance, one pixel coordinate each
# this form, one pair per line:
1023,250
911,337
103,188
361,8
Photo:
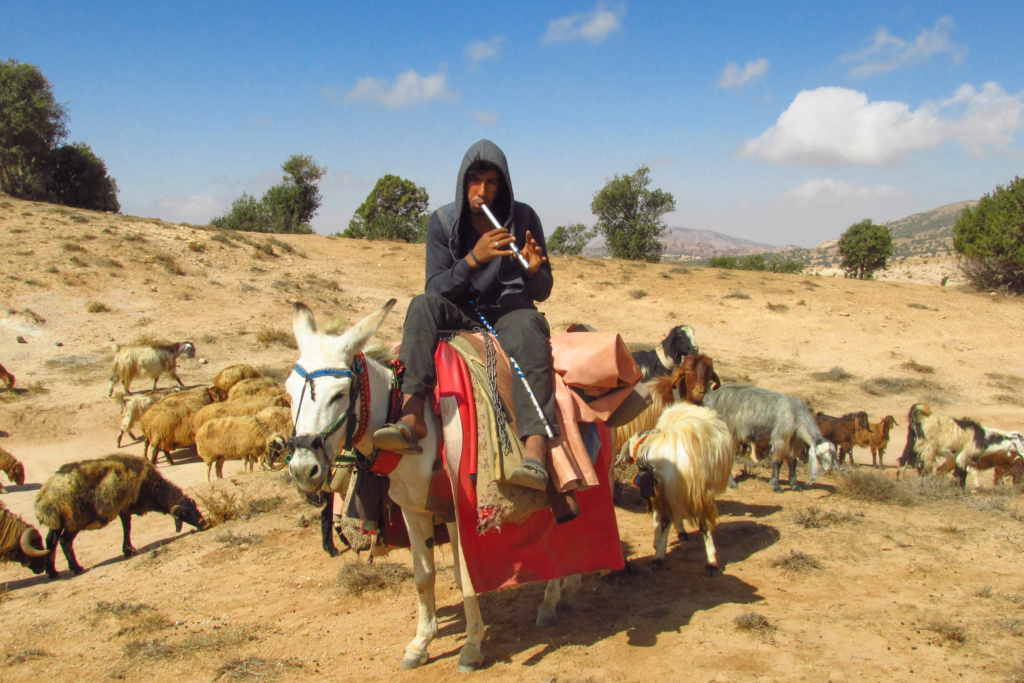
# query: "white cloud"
197,208
408,90
594,26
479,50
889,52
836,127
484,119
829,191
735,77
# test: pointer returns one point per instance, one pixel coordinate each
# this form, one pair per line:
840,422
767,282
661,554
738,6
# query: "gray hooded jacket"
501,283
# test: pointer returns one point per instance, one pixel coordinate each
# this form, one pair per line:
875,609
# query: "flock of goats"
684,445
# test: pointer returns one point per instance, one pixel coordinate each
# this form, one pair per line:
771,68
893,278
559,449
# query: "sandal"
530,474
398,437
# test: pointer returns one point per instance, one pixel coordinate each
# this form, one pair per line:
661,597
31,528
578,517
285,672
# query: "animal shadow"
735,508
14,488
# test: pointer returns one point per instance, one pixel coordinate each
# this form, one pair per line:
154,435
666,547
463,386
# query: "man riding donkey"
471,279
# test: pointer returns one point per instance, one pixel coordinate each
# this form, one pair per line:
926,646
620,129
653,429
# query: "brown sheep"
134,405
7,377
247,406
21,543
92,493
10,466
230,376
132,361
167,424
247,387
244,437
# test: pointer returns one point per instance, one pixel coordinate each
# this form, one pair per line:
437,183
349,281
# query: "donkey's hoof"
563,606
413,660
658,564
545,619
713,571
470,660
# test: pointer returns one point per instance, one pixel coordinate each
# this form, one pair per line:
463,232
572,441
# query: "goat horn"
174,510
27,537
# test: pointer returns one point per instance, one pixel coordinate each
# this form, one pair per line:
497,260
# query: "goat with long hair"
690,453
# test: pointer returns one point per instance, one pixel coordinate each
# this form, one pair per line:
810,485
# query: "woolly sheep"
134,405
234,408
247,387
244,437
92,493
21,543
10,466
167,424
230,376
132,361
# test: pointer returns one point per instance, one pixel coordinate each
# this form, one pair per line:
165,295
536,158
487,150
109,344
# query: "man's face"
482,188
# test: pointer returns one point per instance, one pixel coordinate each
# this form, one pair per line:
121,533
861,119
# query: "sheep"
761,418
690,452
230,376
931,437
279,419
90,494
275,394
243,437
167,424
247,406
7,377
247,387
10,466
134,405
21,543
132,361
842,431
879,438
666,356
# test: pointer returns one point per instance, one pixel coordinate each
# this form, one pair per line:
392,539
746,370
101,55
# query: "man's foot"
530,474
398,437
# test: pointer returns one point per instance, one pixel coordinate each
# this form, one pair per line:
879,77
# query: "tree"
629,216
989,240
865,248
32,123
396,209
286,207
569,240
74,176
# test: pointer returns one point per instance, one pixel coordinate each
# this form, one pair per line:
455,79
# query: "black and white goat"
780,422
661,360
931,438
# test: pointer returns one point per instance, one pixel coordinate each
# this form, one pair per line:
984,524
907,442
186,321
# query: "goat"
167,424
842,431
879,439
91,493
762,418
666,356
1001,463
931,437
134,405
10,466
8,378
691,454
230,376
132,361
19,541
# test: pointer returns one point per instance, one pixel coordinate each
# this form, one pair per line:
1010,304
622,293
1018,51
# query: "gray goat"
778,421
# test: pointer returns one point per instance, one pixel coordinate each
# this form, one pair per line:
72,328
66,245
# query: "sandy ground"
931,591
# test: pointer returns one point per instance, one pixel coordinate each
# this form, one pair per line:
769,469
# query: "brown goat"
880,439
842,431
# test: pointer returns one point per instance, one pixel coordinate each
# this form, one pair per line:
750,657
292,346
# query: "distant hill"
687,244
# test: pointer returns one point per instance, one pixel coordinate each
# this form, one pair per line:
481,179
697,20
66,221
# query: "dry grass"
637,294
816,518
275,335
914,366
950,633
736,295
191,643
356,578
96,307
796,561
167,262
757,624
836,374
257,669
229,539
886,386
220,506
871,487
777,308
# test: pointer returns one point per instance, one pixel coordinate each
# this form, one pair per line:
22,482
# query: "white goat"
690,453
132,361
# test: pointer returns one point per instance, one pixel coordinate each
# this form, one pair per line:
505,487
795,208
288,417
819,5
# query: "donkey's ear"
357,335
303,322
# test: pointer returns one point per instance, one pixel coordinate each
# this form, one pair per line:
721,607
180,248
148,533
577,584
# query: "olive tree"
630,216
569,240
287,207
989,240
864,248
32,123
396,209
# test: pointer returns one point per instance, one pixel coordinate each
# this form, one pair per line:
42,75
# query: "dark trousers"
524,334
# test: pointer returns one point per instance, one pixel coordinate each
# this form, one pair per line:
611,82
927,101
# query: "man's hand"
491,245
533,253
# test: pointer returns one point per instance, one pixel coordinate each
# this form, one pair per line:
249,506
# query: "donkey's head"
320,388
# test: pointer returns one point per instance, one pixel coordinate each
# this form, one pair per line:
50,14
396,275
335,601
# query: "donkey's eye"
337,397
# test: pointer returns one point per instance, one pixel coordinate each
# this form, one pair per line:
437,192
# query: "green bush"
989,240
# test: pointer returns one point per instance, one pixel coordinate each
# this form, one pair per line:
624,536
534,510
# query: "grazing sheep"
278,419
933,437
880,438
247,387
10,466
167,424
91,493
134,405
243,437
247,406
132,361
690,453
230,376
21,543
766,418
7,377
842,431
666,356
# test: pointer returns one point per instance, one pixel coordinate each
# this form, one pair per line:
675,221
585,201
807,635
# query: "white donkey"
323,400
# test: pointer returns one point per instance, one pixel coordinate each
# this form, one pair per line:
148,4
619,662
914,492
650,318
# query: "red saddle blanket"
538,549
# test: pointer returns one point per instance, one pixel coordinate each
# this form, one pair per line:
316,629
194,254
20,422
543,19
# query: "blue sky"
780,122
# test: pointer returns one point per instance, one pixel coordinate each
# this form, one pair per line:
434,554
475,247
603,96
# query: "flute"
515,249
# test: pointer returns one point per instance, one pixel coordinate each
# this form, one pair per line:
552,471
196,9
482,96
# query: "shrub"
989,240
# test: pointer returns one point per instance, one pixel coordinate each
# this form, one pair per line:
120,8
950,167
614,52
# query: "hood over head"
485,150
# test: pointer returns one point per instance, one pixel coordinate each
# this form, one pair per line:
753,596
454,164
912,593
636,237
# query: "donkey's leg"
661,527
472,654
713,566
570,587
421,527
453,536
546,615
